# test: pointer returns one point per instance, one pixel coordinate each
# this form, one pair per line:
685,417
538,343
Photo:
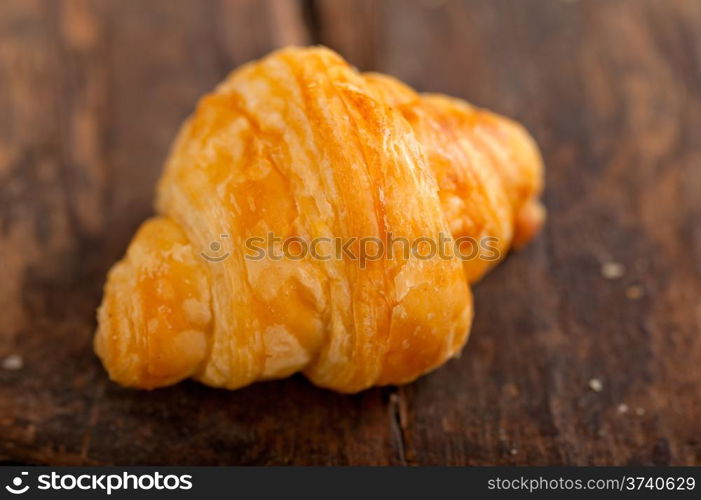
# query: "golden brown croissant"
301,146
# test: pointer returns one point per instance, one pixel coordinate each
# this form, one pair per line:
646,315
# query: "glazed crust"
301,145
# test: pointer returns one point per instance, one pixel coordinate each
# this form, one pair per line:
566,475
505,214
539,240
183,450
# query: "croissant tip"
529,221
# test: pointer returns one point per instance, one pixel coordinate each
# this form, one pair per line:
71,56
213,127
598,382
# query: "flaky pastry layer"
300,144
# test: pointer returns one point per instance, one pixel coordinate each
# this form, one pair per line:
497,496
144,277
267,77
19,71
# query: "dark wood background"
91,94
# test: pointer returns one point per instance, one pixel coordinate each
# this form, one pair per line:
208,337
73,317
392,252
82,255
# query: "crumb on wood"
634,292
596,385
612,270
13,362
622,408
640,411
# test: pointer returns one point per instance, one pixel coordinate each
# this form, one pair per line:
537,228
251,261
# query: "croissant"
302,146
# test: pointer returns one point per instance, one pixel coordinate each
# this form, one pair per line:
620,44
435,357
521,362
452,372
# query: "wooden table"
567,364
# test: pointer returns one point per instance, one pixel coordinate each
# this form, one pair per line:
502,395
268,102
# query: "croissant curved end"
155,318
300,145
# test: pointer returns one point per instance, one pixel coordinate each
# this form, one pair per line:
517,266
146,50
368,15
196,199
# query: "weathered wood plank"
91,94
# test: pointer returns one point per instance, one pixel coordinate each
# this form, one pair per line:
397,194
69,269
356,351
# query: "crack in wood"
398,424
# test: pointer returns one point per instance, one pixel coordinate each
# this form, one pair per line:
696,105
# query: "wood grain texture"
91,94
